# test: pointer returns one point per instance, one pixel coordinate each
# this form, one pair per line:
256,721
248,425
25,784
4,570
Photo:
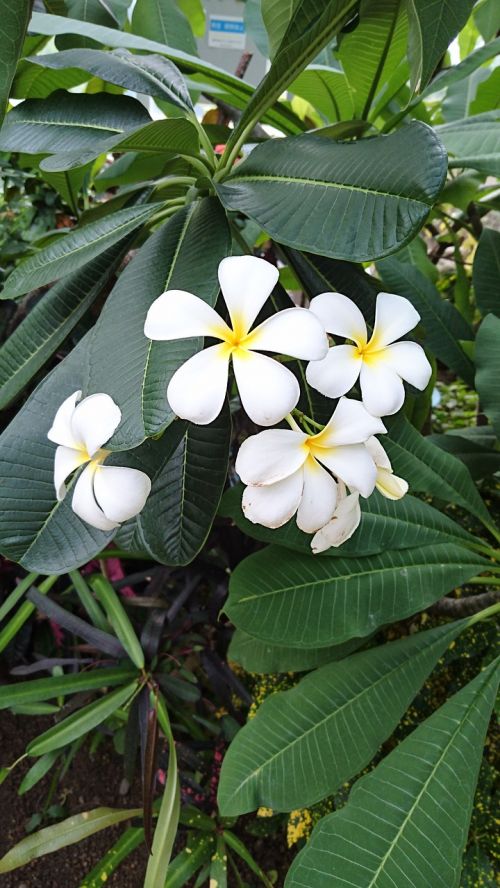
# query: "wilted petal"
336,374
390,485
66,461
177,314
274,505
198,388
394,316
342,526
294,331
352,464
268,390
340,316
270,456
350,424
84,502
94,421
121,492
409,361
319,497
381,388
61,431
246,282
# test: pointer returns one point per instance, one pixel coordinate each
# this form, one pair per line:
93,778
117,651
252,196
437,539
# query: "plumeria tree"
245,331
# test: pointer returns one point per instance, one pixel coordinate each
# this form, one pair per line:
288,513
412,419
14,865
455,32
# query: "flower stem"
205,141
307,420
291,422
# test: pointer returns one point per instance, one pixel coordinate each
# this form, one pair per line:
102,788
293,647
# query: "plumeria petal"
246,282
350,424
336,374
409,361
378,454
294,331
319,498
270,456
390,485
274,505
352,464
84,502
121,492
394,316
340,316
94,421
268,390
342,526
197,389
67,459
177,314
61,431
381,388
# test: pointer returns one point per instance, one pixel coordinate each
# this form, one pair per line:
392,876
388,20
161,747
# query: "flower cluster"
316,473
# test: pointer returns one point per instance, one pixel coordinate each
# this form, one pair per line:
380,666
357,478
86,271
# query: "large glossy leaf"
318,602
299,188
80,246
407,819
312,26
433,25
49,322
385,524
276,15
163,20
488,368
486,272
131,368
33,82
443,324
455,73
164,137
474,142
186,493
319,274
14,18
69,122
481,462
152,75
370,53
60,835
327,90
328,727
260,656
431,471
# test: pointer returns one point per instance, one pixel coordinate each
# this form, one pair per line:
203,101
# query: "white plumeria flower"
283,468
344,522
104,496
267,389
380,363
387,482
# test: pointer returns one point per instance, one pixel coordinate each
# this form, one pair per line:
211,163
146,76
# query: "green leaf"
487,94
409,817
67,832
218,864
328,727
76,249
373,50
69,122
260,656
455,73
319,602
100,873
122,362
313,25
486,272
33,82
276,15
254,24
195,14
327,90
163,20
118,619
488,368
51,320
487,18
298,188
385,524
433,25
168,817
198,851
318,274
88,12
14,18
473,142
431,471
443,324
80,722
151,75
37,771
61,685
481,462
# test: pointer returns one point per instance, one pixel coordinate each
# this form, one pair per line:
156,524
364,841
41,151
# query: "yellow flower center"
370,352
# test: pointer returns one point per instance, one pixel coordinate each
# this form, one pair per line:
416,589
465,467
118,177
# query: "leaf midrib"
322,183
